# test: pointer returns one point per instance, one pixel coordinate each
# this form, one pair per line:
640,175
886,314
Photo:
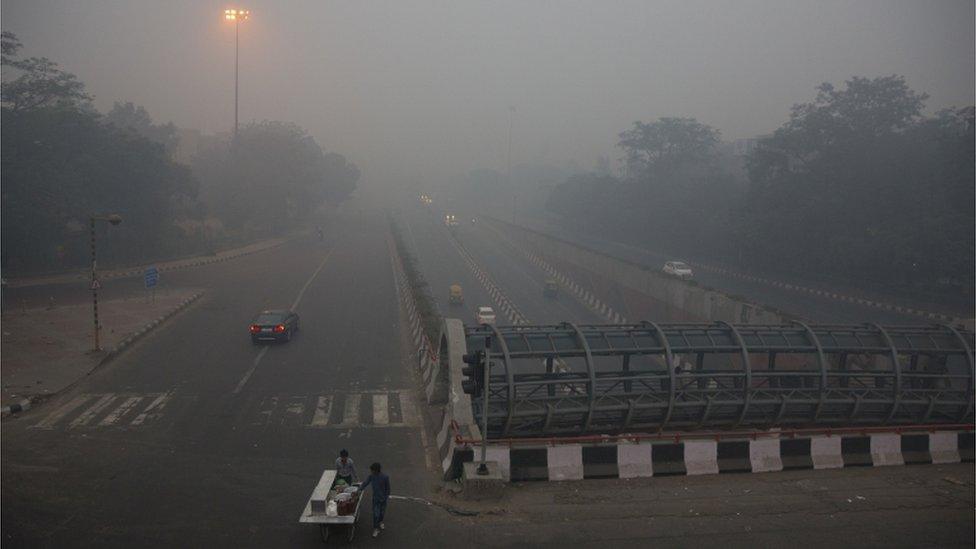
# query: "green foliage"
660,148
857,186
272,178
60,165
135,118
860,181
40,83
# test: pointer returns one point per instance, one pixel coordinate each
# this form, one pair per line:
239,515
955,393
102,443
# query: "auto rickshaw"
552,289
455,297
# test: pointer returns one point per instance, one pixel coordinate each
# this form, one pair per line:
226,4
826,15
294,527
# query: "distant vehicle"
552,288
679,269
276,325
455,297
450,220
473,220
485,315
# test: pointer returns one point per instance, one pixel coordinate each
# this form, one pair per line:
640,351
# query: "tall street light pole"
511,113
114,219
236,16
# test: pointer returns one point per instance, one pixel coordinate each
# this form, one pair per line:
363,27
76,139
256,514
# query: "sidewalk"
46,350
105,274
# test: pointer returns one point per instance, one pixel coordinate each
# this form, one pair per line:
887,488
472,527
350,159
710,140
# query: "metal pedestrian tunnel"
608,379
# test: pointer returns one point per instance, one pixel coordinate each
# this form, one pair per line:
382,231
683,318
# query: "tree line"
857,186
63,161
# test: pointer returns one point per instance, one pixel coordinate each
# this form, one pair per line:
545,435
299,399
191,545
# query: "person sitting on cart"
381,493
345,469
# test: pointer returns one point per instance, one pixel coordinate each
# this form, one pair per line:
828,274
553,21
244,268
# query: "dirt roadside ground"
46,349
898,506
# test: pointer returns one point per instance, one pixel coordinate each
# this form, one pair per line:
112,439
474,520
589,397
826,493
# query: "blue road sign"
151,277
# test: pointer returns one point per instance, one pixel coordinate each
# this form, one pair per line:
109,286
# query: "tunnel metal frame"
855,374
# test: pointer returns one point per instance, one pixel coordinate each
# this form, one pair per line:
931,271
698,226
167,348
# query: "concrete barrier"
825,452
565,462
668,459
944,447
856,451
734,457
796,453
886,450
634,460
701,457
765,456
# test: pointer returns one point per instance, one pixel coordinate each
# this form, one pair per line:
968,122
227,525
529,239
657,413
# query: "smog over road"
507,274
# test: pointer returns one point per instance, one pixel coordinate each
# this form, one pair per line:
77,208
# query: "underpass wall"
633,290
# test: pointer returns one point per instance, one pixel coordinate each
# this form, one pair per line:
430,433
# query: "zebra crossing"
340,410
102,410
371,409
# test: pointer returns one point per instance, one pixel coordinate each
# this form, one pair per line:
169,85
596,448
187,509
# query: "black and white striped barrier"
585,297
504,303
428,362
702,457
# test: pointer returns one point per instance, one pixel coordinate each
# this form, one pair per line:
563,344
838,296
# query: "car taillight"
279,328
255,328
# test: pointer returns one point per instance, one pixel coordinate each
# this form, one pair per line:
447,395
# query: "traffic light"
474,373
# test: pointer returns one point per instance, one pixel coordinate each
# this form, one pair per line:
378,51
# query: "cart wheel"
324,531
352,531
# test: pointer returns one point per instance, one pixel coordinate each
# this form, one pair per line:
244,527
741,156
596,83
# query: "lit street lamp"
114,219
236,16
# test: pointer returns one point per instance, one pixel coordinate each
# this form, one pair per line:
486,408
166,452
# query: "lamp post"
508,171
114,219
236,16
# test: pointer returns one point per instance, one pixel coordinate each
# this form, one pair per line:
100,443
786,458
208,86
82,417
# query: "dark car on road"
277,325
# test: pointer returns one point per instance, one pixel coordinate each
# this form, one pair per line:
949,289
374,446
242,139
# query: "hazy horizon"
423,90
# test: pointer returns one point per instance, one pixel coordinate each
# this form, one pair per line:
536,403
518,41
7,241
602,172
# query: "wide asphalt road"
195,437
813,307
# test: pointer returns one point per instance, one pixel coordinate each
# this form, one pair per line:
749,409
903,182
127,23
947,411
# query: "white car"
679,269
485,315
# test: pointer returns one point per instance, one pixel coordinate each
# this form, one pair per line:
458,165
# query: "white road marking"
254,366
408,410
296,405
152,410
298,299
266,413
294,306
90,413
381,410
350,412
54,417
322,411
121,410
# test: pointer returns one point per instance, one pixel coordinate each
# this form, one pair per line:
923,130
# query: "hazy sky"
422,89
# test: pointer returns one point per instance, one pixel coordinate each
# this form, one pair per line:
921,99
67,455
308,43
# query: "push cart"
318,516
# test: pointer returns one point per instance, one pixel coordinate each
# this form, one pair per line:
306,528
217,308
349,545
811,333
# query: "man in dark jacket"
381,493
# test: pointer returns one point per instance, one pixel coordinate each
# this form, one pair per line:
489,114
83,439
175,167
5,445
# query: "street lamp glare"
235,15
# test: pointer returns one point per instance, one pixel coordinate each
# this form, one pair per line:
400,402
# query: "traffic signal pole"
483,467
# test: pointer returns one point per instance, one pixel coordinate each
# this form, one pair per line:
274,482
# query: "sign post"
151,278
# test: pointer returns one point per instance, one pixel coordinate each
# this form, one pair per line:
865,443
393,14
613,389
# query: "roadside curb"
111,354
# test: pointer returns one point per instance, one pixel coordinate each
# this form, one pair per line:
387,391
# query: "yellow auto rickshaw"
455,297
